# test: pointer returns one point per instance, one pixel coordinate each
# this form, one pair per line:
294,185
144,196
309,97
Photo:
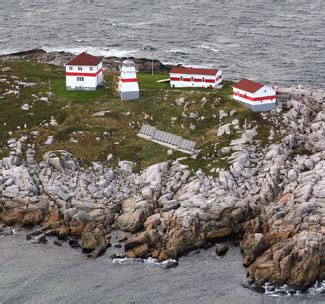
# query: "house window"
80,78
79,68
91,68
70,68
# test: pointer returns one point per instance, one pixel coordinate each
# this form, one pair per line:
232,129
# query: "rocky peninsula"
61,58
271,196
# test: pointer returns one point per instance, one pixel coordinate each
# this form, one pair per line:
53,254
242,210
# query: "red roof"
178,70
248,85
85,59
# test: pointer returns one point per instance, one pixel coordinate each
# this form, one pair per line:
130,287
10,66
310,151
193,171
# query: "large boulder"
23,211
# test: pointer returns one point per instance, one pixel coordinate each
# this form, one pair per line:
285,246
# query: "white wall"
128,73
262,92
265,91
183,84
89,81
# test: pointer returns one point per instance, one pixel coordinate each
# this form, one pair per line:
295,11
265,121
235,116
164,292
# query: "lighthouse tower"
128,83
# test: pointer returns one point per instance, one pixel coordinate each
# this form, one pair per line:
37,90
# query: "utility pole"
151,64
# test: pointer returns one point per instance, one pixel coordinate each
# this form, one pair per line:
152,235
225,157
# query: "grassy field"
93,138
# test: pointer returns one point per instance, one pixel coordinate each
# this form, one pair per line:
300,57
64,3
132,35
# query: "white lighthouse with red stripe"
254,95
84,72
182,77
128,86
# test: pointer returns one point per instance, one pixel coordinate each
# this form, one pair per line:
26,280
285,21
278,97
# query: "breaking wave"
272,290
107,52
149,261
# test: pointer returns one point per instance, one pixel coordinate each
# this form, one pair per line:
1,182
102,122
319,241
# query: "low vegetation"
50,110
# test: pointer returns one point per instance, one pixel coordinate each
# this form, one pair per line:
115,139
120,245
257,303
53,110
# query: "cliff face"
273,198
61,58
285,243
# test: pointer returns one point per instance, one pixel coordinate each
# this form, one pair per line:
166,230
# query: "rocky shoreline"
61,58
272,199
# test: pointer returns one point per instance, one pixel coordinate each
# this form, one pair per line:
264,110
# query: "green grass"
59,89
149,82
116,132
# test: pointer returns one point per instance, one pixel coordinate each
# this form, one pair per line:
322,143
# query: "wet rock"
6,232
123,239
221,249
32,234
57,243
74,243
171,264
117,256
99,251
39,239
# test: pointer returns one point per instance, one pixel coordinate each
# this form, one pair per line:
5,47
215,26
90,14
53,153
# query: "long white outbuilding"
182,77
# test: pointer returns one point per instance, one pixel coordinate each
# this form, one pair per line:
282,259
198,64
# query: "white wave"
284,290
150,261
123,261
94,51
157,262
232,45
9,51
276,291
209,48
173,51
171,62
317,289
9,232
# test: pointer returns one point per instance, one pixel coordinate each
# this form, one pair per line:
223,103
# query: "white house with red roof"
254,95
182,77
84,72
128,86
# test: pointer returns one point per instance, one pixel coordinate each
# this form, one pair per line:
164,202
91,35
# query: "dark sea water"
279,41
34,273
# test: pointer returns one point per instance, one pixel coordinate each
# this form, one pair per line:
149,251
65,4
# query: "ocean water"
275,41
45,273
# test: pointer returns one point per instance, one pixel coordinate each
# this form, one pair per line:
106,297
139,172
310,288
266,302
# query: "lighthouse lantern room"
128,86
